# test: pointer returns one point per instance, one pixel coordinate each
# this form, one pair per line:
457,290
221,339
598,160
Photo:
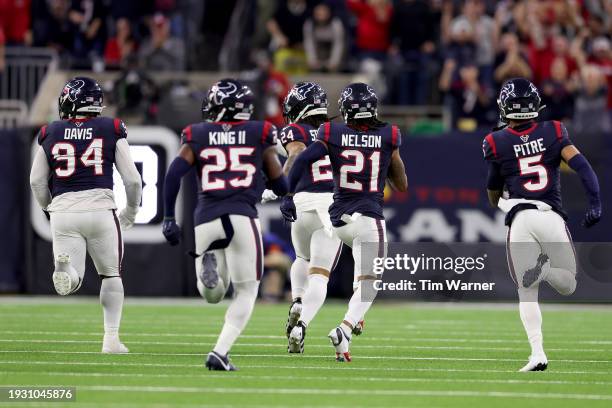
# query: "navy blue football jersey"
229,157
319,178
529,160
360,162
81,152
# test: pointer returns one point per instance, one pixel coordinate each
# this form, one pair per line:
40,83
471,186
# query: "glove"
592,215
268,195
287,208
127,216
171,231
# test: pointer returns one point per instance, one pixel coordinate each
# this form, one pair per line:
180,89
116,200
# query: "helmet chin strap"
220,115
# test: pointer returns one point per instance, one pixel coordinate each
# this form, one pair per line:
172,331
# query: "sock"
237,315
314,297
532,321
298,275
360,302
111,298
562,280
214,295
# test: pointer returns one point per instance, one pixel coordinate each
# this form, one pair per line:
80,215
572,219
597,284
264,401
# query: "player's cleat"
217,362
295,311
358,329
65,279
209,276
536,363
533,275
112,345
296,338
341,342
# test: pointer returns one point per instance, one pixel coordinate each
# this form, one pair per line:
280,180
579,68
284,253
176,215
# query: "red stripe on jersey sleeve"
43,133
557,128
491,141
187,132
327,131
394,135
117,123
266,130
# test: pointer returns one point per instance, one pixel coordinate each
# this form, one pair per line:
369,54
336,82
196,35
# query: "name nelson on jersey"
226,138
371,141
530,148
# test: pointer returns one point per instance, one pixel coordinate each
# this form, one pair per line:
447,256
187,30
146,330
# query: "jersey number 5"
533,165
91,157
222,163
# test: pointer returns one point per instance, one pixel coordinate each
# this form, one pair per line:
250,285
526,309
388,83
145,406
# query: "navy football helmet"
303,100
228,100
519,99
80,95
358,101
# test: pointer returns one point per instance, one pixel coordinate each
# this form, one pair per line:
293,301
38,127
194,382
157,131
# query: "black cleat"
217,362
532,275
296,338
209,275
295,311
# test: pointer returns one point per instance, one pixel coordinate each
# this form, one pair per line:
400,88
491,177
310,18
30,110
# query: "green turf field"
410,355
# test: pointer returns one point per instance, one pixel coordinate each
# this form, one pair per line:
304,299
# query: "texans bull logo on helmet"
72,90
301,92
221,91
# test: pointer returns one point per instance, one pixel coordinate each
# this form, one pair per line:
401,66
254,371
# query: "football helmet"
80,95
228,100
358,101
303,100
519,99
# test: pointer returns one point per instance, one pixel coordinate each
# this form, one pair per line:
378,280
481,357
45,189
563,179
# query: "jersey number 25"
224,163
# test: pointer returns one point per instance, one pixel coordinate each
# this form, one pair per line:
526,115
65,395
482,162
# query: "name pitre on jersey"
229,159
320,178
529,160
360,161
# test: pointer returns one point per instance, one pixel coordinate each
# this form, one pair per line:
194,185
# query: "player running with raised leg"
229,151
524,159
75,159
364,155
317,249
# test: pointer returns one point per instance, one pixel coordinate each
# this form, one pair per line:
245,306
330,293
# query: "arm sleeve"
489,149
129,174
39,179
313,153
495,181
172,184
581,165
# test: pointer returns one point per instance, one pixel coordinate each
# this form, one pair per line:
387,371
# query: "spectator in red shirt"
15,21
121,45
373,22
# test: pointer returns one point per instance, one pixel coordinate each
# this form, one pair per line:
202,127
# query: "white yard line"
206,374
283,344
292,367
398,358
345,391
361,339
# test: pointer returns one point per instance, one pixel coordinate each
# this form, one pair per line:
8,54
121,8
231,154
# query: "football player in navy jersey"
317,249
229,152
72,180
524,159
364,156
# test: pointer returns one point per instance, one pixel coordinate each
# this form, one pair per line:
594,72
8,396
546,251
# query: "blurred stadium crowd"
414,52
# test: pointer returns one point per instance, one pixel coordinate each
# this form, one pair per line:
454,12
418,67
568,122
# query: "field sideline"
416,355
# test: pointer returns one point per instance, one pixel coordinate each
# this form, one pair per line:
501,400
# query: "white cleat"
536,363
295,311
62,277
296,338
112,345
341,342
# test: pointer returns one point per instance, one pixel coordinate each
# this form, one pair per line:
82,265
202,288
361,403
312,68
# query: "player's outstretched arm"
131,182
277,182
577,162
397,173
293,150
39,179
172,184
